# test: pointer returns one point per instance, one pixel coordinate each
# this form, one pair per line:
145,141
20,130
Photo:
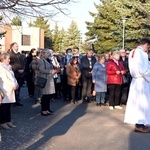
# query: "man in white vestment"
138,104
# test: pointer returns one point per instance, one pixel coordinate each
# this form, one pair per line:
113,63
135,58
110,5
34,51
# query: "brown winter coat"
17,63
73,73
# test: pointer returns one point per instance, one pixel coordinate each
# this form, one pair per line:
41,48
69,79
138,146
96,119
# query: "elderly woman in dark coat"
47,71
100,79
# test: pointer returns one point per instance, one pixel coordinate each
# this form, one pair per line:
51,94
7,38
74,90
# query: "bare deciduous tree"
34,8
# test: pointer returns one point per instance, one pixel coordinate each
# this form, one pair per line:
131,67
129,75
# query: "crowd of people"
101,78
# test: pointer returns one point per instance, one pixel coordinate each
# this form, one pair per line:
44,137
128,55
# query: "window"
26,40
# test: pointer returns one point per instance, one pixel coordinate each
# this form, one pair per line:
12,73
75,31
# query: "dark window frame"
26,40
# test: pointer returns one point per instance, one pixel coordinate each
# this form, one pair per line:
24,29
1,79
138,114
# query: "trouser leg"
111,94
30,85
65,87
43,103
98,97
117,94
102,97
8,113
73,92
89,88
5,113
84,89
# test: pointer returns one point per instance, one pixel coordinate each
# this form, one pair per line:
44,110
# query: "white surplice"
138,104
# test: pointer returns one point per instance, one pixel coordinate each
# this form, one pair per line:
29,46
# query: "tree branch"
34,8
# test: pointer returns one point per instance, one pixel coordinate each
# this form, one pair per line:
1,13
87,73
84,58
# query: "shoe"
74,101
118,107
4,126
18,104
49,113
9,124
71,101
89,101
98,104
111,107
83,102
142,130
44,113
145,127
104,104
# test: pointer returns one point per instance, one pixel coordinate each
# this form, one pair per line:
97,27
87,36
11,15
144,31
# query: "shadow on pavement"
139,141
60,127
34,130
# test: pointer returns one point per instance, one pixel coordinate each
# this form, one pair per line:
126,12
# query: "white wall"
34,33
16,35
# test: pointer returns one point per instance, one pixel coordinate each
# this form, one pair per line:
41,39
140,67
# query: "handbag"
41,81
124,79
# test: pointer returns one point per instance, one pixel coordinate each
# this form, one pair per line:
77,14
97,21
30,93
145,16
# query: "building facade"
27,38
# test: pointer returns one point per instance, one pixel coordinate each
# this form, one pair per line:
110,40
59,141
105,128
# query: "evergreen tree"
62,36
16,21
108,23
56,38
73,36
43,24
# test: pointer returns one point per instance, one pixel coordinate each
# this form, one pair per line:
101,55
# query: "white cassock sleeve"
143,65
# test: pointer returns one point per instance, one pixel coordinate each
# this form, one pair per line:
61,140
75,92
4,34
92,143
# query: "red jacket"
111,68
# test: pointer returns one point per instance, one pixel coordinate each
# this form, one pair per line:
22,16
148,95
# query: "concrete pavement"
72,127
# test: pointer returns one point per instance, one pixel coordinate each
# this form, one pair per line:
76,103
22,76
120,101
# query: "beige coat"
45,70
7,83
73,74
